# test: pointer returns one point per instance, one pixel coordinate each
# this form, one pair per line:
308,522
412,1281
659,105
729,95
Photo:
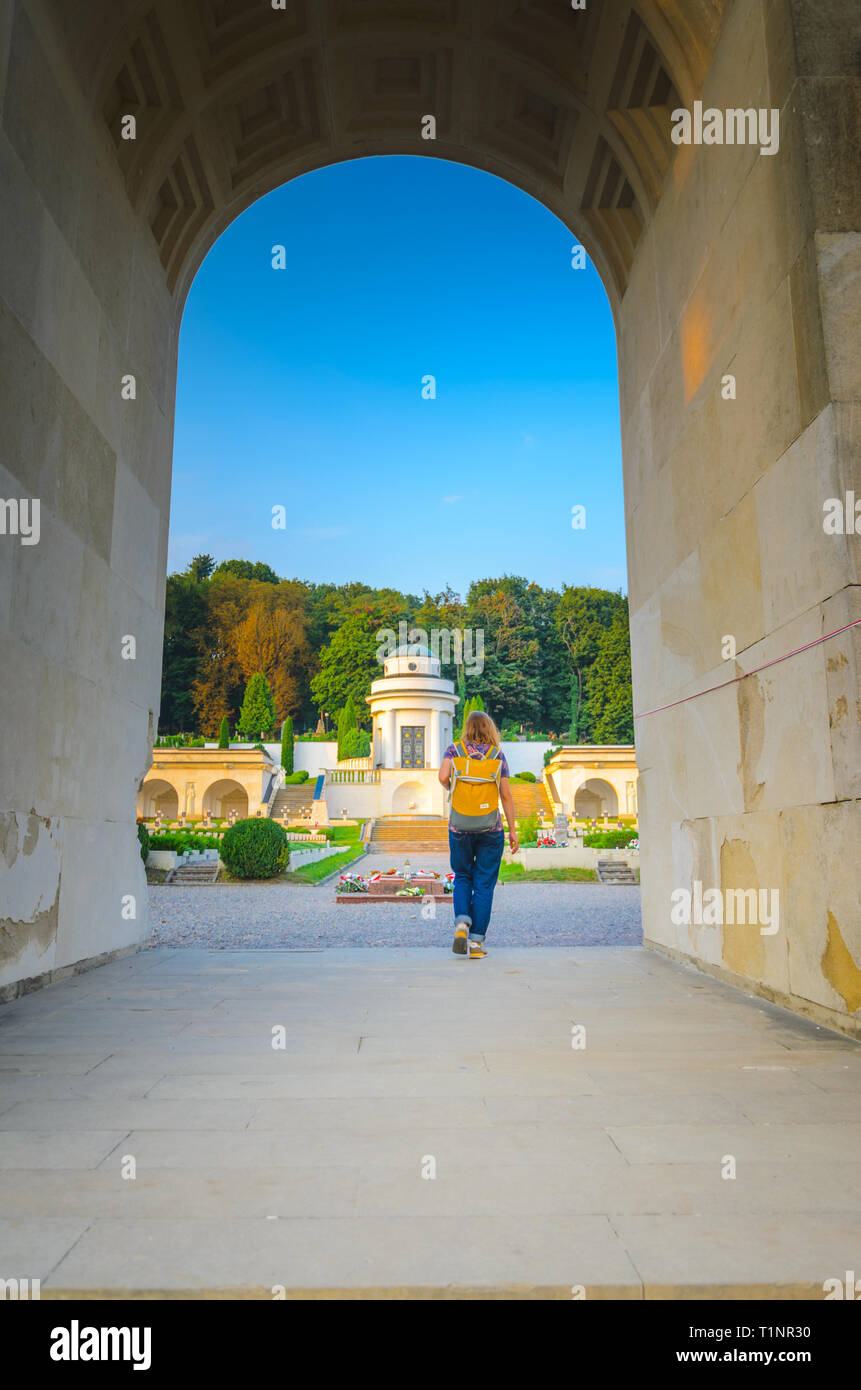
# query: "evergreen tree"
224,733
343,731
258,711
287,745
201,568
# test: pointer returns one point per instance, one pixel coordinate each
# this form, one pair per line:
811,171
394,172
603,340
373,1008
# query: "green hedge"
524,777
609,839
293,779
143,837
183,840
255,848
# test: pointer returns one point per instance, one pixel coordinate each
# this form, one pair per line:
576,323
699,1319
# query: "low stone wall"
161,859
298,857
574,857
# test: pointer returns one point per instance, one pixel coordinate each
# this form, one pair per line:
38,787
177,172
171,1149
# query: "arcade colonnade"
719,262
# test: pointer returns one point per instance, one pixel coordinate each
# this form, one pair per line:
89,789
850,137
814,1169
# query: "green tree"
201,568
343,731
185,616
224,733
287,745
349,662
510,682
582,616
258,712
245,569
347,725
608,685
357,744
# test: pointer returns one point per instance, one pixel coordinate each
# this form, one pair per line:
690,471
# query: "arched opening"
411,799
158,798
735,334
596,798
225,797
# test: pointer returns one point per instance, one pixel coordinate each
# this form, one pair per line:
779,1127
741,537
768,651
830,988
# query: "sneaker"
477,949
459,945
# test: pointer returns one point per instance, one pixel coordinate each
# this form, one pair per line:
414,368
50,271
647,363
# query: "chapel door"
412,745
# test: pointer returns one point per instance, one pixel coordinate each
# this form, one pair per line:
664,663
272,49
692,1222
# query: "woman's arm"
445,772
508,807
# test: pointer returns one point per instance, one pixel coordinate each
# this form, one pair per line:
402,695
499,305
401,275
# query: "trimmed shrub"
525,777
181,840
224,734
293,779
609,839
255,848
143,836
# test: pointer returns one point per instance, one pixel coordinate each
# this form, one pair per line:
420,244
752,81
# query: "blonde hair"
480,728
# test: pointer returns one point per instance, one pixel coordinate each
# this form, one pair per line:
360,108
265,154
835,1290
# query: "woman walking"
475,770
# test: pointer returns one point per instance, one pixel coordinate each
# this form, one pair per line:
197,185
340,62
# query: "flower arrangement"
352,883
548,842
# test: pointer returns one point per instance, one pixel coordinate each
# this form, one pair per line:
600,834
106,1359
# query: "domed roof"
412,649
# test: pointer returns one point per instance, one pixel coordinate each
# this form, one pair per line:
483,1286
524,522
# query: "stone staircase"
295,800
530,798
187,875
409,834
615,871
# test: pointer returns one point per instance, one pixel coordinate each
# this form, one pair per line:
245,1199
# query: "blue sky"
302,387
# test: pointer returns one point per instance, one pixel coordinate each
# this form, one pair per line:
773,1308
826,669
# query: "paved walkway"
228,916
304,1166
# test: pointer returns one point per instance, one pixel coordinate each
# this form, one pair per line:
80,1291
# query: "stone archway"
158,798
594,798
224,796
730,274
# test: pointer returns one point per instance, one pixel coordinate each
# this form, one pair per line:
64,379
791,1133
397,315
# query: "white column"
435,752
390,758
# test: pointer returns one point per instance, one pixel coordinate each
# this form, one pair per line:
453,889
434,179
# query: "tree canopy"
554,661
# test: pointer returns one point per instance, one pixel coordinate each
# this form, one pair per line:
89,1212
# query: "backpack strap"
493,752
460,750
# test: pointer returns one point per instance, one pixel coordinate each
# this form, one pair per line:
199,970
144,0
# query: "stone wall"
750,269
82,303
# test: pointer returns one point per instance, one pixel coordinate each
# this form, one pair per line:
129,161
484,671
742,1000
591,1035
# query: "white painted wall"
526,757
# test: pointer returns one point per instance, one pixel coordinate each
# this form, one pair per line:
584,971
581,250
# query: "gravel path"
285,916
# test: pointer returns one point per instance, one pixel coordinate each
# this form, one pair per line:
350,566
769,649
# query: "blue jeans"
475,861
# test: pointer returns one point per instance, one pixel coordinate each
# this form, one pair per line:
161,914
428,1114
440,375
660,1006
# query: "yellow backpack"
474,789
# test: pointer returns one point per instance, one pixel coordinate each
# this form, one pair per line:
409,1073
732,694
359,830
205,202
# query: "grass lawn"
515,873
312,873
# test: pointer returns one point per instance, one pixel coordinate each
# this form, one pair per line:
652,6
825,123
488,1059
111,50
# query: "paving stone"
32,1247
554,1165
553,1251
30,1148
